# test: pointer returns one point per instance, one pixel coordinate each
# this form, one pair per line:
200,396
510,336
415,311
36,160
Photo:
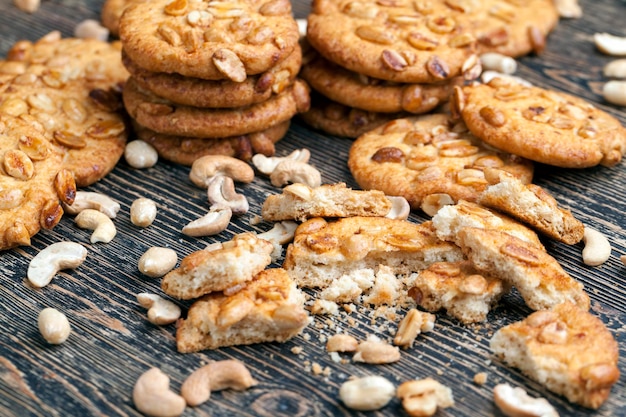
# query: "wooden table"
112,343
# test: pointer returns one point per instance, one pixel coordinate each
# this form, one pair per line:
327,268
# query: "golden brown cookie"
371,94
168,118
566,349
270,308
220,93
546,126
538,277
419,156
214,40
531,205
184,150
112,11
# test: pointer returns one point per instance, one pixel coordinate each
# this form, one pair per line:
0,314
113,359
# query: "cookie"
184,150
212,40
538,277
566,349
270,308
392,40
531,205
168,118
222,93
459,289
323,251
112,11
230,265
371,94
546,126
300,202
339,120
419,156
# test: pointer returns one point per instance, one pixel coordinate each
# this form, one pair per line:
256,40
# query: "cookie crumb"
480,378
296,350
316,368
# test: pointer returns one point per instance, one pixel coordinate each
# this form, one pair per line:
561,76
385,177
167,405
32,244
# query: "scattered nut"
221,192
615,69
423,397
367,394
139,154
53,326
342,343
102,226
282,232
152,395
61,255
610,44
376,352
28,6
515,402
615,92
412,325
160,310
400,208
157,261
302,24
90,200
91,29
266,165
597,247
623,259
143,211
291,171
208,166
493,61
487,76
216,376
212,223
568,9
433,202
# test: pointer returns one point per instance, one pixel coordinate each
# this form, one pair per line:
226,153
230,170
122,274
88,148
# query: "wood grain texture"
112,343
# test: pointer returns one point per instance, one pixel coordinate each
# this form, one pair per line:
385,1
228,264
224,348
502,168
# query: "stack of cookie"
212,77
376,60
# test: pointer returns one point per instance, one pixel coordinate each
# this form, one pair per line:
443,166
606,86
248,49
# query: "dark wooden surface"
112,343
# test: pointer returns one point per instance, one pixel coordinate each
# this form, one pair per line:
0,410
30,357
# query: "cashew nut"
156,261
615,69
400,208
221,191
515,402
216,376
568,9
597,247
302,25
28,6
61,255
266,165
433,202
90,200
160,310
140,154
282,232
367,394
615,92
290,171
208,166
493,61
53,326
212,223
610,44
143,211
487,76
152,395
91,29
102,226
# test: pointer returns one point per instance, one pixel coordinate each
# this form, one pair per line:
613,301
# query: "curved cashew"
493,61
90,200
143,211
160,310
282,232
152,395
433,202
61,255
156,261
266,165
290,171
221,191
400,208
215,376
102,226
53,326
615,92
610,44
368,393
487,76
516,402
212,223
597,247
139,154
208,166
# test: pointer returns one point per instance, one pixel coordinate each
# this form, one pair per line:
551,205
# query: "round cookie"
371,94
218,93
419,156
184,150
339,120
213,40
168,118
546,126
112,11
